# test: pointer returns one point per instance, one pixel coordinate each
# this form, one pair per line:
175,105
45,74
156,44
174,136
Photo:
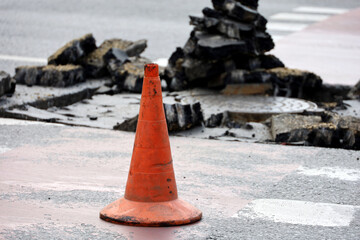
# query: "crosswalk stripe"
299,17
277,37
308,9
4,149
290,27
23,59
299,212
332,172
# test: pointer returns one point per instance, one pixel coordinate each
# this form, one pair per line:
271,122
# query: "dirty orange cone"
151,195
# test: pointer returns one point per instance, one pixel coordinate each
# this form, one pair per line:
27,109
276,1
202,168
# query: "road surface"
55,179
30,31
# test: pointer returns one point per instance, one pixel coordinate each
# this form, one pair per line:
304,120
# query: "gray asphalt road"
55,179
37,28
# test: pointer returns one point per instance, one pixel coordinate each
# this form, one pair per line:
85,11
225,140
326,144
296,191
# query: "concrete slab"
45,97
258,132
54,180
105,111
214,102
330,48
101,111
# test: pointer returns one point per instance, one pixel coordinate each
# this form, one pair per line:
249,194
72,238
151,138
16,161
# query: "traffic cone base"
150,214
151,197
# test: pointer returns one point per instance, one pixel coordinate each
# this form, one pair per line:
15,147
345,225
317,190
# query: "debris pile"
73,51
226,119
7,84
114,50
178,117
50,75
183,116
127,76
354,92
327,129
69,68
227,48
81,59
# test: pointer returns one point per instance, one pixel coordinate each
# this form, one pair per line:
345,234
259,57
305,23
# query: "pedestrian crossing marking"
299,17
288,27
299,212
323,10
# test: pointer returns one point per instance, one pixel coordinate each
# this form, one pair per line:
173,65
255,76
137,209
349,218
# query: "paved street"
32,30
55,179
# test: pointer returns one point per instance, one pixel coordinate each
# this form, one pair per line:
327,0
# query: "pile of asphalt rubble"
226,54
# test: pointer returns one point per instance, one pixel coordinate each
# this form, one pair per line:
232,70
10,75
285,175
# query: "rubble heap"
74,63
227,48
7,84
354,92
178,117
50,75
81,59
118,50
326,129
71,52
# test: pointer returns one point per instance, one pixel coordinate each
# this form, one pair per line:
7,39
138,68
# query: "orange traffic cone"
151,195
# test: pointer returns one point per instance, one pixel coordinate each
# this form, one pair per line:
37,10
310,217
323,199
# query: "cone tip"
151,70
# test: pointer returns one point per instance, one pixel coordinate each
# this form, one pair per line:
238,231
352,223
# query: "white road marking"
299,17
289,27
23,59
332,172
162,62
309,9
4,149
299,212
276,38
